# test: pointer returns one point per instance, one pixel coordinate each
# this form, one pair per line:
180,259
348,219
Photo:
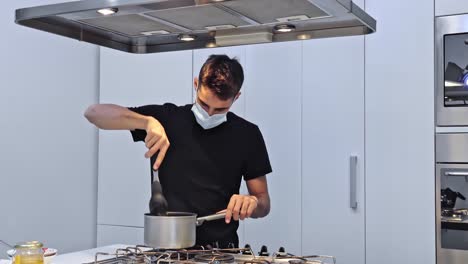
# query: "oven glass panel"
456,70
454,212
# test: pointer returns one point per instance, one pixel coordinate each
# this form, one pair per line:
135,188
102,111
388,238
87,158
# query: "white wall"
124,173
400,192
48,152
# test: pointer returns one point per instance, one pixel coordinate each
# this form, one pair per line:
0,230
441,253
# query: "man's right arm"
115,117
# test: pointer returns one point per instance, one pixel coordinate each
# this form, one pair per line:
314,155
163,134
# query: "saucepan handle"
201,220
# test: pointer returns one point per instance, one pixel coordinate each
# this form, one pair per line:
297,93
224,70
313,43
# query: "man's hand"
255,205
156,140
115,117
241,207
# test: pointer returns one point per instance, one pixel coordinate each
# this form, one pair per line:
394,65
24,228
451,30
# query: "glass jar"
29,253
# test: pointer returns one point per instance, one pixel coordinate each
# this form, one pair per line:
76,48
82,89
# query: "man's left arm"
255,205
257,163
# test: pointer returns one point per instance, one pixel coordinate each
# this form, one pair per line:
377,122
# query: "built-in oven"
451,198
451,44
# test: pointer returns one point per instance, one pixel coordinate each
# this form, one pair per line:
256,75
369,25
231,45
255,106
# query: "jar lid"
29,245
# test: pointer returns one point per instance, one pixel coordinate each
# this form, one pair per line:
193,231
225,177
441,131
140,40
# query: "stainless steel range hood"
148,26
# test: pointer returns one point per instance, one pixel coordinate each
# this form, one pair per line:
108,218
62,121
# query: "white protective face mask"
205,120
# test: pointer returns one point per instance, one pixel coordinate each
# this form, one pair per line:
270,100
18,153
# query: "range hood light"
285,28
187,37
108,11
211,45
156,32
304,36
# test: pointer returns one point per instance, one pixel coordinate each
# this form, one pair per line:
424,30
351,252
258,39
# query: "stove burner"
144,255
214,258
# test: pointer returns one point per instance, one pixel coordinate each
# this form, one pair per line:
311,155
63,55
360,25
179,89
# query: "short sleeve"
161,113
257,163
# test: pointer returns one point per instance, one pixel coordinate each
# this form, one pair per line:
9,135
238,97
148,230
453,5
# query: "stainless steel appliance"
451,44
147,26
451,205
202,255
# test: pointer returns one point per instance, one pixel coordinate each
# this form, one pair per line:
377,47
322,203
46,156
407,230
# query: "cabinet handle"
353,182
456,173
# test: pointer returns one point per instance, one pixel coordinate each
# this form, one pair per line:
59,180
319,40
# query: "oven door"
452,232
451,44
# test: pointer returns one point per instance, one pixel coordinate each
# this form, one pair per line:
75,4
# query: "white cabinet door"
273,102
332,132
450,7
400,166
124,173
199,58
111,235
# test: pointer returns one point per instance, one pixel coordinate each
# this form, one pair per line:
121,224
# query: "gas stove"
202,255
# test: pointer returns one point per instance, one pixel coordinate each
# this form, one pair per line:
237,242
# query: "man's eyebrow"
201,101
216,109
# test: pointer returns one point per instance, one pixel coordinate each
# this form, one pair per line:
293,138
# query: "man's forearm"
263,206
115,117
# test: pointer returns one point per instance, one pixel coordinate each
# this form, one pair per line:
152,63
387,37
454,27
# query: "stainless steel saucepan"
175,231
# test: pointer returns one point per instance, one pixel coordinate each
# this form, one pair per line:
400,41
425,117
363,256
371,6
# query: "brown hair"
222,75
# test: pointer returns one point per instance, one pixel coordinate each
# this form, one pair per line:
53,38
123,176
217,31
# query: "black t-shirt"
204,168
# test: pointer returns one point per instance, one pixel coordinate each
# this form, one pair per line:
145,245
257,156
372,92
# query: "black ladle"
158,203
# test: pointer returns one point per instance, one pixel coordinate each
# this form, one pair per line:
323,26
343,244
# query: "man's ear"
237,96
195,83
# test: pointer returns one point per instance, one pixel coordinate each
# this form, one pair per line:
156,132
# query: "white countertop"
79,257
86,256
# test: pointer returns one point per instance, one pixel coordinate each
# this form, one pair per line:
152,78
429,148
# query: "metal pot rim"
173,215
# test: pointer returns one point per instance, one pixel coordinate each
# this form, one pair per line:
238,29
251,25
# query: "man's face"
210,102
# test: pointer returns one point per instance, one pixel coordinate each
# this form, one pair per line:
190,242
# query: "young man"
202,151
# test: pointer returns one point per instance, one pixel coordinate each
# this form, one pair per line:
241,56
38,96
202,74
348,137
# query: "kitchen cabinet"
124,173
400,165
332,133
199,57
273,102
110,235
450,7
